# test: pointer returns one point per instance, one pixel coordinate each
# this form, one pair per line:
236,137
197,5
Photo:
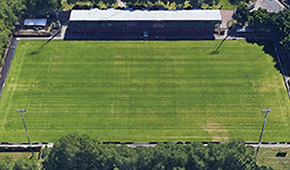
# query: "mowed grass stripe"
144,91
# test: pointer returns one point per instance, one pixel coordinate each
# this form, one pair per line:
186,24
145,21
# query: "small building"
33,27
115,24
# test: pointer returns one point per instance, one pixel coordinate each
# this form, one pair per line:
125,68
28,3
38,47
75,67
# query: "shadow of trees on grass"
268,48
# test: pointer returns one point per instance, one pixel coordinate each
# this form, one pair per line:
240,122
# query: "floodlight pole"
265,111
22,112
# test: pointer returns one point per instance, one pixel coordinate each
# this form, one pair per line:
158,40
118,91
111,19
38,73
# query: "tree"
73,151
4,40
275,24
7,21
196,3
196,156
187,5
210,2
71,1
236,2
76,151
242,14
36,7
239,156
169,156
286,43
258,20
215,156
6,163
126,158
24,163
283,22
17,6
6,17
145,158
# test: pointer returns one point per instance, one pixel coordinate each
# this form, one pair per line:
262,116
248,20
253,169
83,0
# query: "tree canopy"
24,163
268,23
6,163
77,151
7,21
80,152
242,13
169,4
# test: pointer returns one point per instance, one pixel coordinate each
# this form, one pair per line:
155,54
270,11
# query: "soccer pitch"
144,91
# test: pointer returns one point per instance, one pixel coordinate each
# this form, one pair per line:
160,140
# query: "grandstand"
115,24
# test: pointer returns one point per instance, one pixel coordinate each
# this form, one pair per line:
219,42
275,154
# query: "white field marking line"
50,145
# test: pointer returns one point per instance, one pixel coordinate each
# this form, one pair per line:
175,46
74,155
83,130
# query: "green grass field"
144,91
267,157
17,155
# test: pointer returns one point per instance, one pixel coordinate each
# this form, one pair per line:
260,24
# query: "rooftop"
35,22
138,15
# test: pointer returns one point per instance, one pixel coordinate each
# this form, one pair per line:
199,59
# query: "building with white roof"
123,24
35,22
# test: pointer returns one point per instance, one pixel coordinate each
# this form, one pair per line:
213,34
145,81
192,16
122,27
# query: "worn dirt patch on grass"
216,130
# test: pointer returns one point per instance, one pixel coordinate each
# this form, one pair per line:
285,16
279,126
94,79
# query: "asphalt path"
7,63
134,145
283,61
274,5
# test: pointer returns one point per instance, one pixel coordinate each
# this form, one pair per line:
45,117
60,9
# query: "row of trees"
80,152
7,21
273,24
30,8
76,151
169,4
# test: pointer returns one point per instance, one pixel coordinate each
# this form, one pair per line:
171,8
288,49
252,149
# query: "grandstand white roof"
35,22
138,15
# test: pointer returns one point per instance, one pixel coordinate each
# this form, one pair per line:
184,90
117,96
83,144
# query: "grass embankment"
267,157
16,155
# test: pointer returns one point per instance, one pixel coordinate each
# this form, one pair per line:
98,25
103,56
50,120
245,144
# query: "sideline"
25,147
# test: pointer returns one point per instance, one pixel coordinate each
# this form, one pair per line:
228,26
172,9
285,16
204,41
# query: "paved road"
274,5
